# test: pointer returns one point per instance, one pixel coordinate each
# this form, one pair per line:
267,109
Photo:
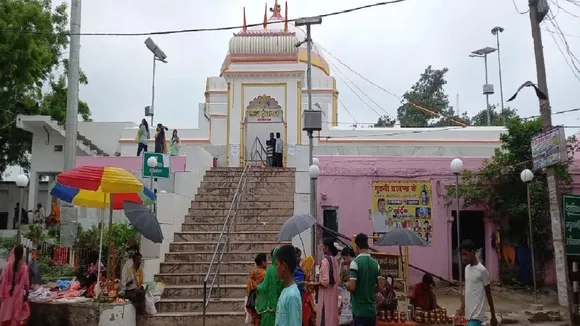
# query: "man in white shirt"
278,156
477,288
380,217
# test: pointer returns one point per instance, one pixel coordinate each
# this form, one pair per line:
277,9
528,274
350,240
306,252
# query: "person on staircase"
278,151
270,144
160,140
268,293
142,137
255,278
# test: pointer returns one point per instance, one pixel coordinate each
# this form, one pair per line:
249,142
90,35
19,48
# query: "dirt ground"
506,300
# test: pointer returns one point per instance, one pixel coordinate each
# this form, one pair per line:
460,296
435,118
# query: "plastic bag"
158,289
150,303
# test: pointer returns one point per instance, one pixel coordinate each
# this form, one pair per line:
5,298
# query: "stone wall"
81,314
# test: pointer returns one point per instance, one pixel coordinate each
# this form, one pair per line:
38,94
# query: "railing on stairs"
223,242
258,154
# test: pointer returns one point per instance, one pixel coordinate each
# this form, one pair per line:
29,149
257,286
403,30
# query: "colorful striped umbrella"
105,179
100,199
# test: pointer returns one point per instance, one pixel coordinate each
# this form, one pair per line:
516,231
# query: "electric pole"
538,9
72,96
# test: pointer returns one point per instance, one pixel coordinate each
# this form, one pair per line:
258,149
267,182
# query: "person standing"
142,137
174,144
278,150
14,290
255,278
289,308
364,279
477,288
20,213
268,293
328,289
270,143
160,140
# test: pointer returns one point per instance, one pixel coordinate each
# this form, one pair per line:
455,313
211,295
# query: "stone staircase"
268,201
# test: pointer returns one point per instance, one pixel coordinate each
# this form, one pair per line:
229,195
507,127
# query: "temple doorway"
263,117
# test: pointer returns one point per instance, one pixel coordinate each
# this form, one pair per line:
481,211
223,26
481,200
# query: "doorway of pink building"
472,228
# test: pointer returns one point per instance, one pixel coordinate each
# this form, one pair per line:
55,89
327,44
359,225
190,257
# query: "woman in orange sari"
254,279
308,305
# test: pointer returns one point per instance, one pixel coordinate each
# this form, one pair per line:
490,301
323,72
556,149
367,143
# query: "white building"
261,88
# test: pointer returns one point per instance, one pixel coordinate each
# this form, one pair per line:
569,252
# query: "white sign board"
549,148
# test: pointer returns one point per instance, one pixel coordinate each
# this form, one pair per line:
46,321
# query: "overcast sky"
391,45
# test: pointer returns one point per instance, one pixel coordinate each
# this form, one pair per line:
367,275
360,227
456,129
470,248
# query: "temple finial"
266,15
286,14
245,28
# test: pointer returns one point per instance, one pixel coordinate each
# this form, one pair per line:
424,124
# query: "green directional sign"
163,168
572,224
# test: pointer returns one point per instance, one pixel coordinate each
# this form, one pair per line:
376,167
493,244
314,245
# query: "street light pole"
158,55
527,176
21,182
73,81
487,88
456,169
312,121
496,31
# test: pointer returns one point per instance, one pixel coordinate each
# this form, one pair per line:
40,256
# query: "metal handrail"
220,247
258,151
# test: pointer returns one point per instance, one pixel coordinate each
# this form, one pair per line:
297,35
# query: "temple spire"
286,20
245,28
266,15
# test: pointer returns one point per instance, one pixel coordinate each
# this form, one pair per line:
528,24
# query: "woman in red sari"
308,305
14,289
254,279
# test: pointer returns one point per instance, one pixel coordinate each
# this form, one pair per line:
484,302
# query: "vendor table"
81,314
384,323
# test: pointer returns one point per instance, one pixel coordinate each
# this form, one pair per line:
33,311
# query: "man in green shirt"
364,276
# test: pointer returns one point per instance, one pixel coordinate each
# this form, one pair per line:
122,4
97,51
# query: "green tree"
496,187
384,121
32,41
429,93
497,116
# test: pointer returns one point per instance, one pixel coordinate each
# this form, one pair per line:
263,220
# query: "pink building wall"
129,163
345,181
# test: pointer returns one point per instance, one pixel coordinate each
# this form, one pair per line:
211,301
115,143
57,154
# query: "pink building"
345,183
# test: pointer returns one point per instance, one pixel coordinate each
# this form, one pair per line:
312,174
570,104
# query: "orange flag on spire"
286,14
245,28
266,15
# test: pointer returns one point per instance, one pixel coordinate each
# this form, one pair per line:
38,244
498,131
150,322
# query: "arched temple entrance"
263,116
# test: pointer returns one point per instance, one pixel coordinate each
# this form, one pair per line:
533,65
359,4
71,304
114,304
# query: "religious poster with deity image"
405,204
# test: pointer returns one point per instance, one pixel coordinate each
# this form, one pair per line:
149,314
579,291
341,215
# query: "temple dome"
275,38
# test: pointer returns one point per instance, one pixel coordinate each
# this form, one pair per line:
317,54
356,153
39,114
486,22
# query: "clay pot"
432,314
383,316
425,315
403,317
419,320
395,317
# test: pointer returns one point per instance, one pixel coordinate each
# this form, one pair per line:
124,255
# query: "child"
289,309
345,316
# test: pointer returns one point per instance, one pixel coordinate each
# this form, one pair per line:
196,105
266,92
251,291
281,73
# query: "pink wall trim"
129,163
345,181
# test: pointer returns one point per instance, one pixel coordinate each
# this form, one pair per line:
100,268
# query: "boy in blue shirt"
289,309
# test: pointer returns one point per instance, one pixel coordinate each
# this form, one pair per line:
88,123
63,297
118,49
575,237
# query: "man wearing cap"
423,295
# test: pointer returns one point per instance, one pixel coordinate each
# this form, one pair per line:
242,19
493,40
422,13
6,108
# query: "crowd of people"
143,136
347,290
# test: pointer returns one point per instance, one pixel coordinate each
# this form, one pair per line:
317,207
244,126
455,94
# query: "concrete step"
197,278
258,235
196,291
275,217
251,179
217,227
195,305
180,253
237,266
194,319
252,173
264,184
192,248
244,204
246,197
229,191
242,211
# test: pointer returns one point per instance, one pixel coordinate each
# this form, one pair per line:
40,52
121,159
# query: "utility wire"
570,59
347,111
210,29
518,10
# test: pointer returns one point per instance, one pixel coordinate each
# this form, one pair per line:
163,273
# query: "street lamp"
316,162
527,176
313,172
457,168
152,164
487,88
158,55
21,182
496,31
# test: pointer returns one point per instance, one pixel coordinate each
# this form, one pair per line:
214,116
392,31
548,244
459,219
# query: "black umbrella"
144,221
